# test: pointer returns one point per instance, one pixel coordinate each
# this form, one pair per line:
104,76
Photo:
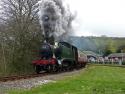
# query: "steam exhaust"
55,20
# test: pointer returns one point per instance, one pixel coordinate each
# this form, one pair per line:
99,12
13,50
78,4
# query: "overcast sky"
99,17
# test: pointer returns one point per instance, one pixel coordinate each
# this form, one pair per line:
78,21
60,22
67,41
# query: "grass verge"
94,80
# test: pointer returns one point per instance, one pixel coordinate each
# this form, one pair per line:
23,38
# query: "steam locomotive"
60,57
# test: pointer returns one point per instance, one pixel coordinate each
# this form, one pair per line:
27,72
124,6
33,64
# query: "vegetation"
94,80
20,36
100,45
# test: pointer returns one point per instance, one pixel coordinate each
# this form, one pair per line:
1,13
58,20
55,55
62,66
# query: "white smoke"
59,16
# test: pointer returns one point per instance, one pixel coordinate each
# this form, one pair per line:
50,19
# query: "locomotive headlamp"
45,18
56,45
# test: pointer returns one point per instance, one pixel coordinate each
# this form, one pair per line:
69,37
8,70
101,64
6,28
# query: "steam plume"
55,18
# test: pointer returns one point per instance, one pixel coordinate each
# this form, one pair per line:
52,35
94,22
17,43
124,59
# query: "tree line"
20,36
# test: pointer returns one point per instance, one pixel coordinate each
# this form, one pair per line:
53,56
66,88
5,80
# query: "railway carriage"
82,58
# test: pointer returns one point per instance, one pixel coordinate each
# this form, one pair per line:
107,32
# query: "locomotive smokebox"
46,51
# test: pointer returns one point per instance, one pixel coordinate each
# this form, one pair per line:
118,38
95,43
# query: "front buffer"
49,65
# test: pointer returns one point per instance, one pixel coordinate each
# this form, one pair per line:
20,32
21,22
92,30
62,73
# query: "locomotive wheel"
52,68
49,68
55,68
82,65
66,66
37,69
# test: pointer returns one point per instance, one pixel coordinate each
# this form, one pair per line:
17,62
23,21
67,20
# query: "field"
93,80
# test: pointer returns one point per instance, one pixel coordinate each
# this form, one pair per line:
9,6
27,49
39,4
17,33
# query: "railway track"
13,78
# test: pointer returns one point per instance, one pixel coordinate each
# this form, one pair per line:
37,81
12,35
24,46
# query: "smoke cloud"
55,19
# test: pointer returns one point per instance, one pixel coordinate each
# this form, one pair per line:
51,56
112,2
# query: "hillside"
99,44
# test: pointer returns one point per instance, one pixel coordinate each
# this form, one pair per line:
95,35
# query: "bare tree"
22,32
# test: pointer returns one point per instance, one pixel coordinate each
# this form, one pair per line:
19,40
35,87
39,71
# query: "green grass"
94,80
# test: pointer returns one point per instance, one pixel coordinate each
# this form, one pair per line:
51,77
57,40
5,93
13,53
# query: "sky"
98,17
